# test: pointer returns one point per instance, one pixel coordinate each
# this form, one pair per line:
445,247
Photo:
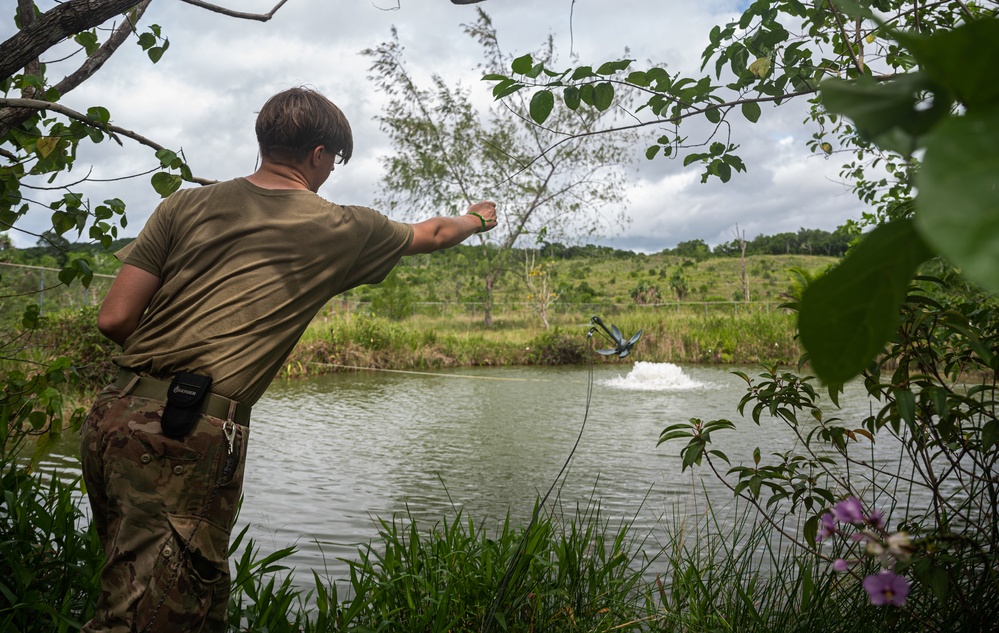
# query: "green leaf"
957,209
165,183
906,402
692,158
84,271
807,582
651,152
67,275
29,318
541,105
609,68
166,157
722,170
751,110
990,434
88,40
523,64
506,87
849,313
571,97
960,58
156,52
603,95
692,454
582,72
639,78
99,113
889,114
713,115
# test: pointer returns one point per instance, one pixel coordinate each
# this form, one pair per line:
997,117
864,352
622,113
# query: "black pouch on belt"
184,398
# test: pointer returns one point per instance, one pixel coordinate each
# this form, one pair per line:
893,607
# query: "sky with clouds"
204,94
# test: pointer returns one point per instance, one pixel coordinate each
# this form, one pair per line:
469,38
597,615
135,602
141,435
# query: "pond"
330,454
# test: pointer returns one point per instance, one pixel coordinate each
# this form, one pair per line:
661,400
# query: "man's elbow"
114,327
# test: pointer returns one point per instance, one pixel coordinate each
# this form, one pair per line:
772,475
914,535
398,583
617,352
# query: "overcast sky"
205,92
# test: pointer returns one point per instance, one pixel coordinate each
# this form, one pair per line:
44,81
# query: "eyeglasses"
337,160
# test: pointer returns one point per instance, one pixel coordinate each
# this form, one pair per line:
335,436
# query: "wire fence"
501,309
23,285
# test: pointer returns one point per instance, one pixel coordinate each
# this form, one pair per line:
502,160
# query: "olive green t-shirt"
243,271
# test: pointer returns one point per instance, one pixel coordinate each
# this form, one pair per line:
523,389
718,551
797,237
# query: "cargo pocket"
179,598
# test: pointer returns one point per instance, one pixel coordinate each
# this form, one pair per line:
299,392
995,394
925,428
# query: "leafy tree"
450,153
909,93
883,87
679,283
696,249
392,298
646,293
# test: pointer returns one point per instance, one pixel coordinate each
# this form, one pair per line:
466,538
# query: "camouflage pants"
162,521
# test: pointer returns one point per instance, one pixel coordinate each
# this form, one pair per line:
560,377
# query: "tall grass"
424,342
728,568
49,566
569,576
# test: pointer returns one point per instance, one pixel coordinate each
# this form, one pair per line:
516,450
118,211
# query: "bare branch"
110,129
259,17
846,37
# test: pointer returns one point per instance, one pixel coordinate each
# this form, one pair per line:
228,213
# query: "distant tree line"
52,248
804,242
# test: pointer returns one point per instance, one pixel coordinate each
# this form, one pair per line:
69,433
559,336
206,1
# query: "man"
211,298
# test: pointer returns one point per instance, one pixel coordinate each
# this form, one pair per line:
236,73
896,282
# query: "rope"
435,374
490,617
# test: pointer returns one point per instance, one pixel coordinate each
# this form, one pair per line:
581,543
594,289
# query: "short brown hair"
294,122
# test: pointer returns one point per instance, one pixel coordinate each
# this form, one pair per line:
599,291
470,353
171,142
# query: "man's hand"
486,213
444,232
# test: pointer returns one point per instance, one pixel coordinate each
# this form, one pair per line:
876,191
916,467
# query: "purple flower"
840,565
827,526
876,519
849,510
886,587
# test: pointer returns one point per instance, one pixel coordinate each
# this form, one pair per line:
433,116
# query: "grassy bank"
745,337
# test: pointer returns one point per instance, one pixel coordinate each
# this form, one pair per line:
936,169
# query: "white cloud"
204,94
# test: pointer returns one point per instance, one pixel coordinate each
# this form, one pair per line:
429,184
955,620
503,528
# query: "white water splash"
654,377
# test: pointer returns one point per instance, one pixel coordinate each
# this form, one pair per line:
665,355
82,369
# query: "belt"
214,405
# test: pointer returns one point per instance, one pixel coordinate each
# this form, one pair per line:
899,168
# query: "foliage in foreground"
910,487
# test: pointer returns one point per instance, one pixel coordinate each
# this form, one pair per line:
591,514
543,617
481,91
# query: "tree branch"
67,19
259,17
111,130
846,37
11,118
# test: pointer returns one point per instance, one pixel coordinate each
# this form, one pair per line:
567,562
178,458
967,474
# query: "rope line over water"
431,373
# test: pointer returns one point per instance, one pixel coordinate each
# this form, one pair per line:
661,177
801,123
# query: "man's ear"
316,156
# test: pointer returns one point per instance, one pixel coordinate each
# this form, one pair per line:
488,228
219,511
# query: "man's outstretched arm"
447,231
